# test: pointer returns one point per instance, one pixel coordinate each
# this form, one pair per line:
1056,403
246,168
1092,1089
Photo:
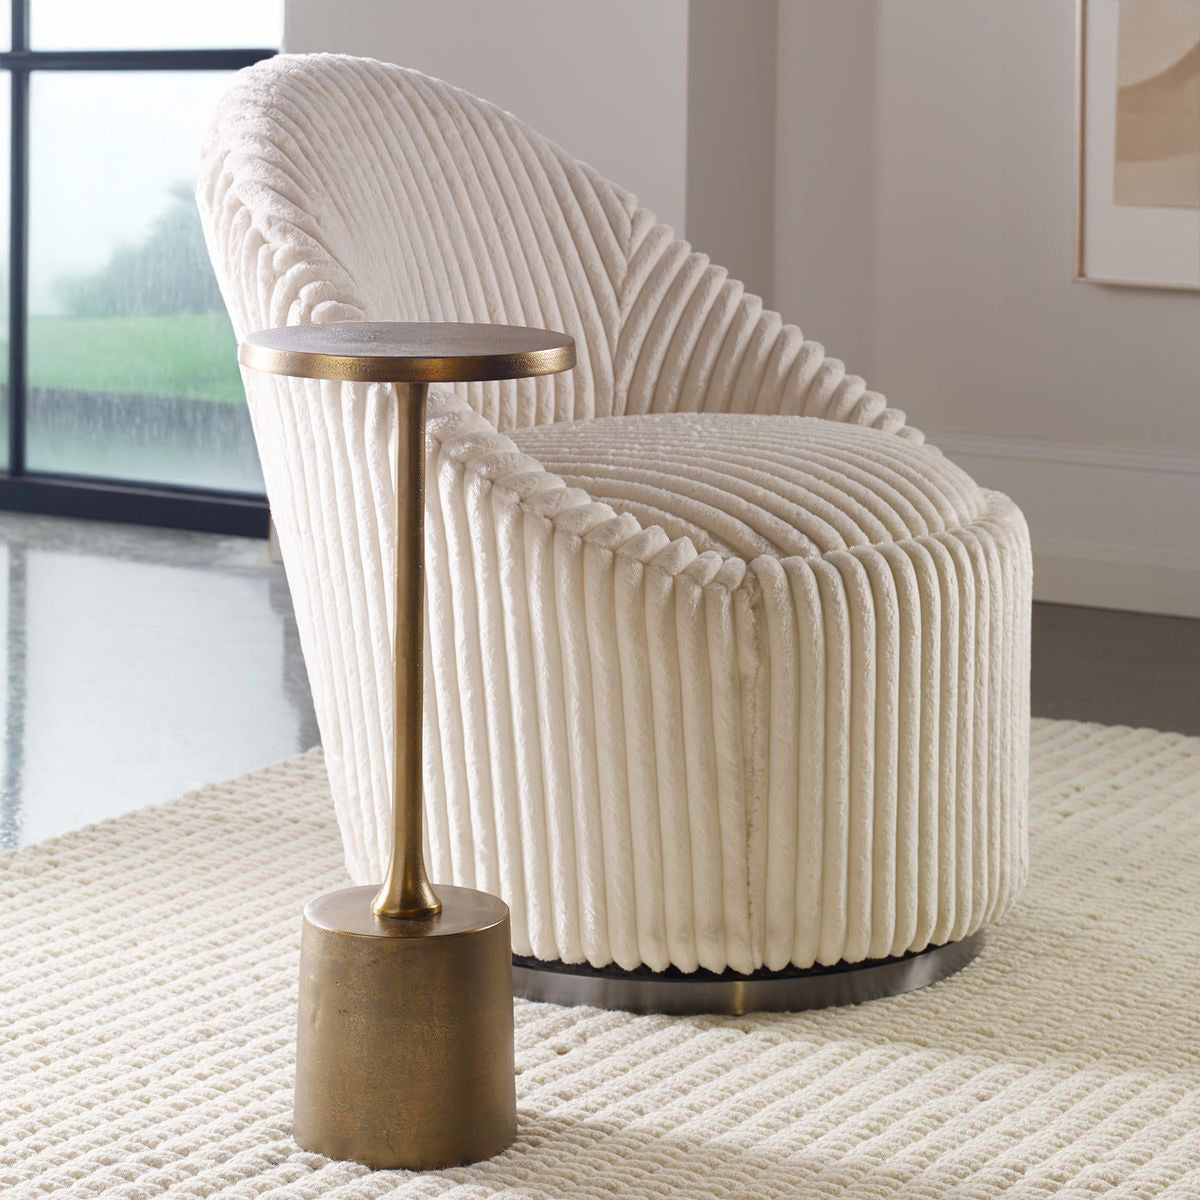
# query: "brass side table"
404,1054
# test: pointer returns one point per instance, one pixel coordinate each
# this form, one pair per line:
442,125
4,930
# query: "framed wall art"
1138,143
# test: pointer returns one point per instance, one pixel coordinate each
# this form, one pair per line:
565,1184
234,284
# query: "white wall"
607,81
925,207
673,99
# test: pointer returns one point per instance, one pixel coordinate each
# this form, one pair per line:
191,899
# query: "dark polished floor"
140,663
1117,668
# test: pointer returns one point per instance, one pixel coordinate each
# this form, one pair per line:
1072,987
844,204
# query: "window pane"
131,361
154,24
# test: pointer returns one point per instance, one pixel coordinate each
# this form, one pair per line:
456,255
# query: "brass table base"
405,1050
404,1056
678,993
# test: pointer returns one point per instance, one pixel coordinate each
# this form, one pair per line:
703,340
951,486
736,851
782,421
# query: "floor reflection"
139,663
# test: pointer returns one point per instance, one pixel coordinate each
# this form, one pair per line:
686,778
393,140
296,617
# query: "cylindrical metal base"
677,992
404,1055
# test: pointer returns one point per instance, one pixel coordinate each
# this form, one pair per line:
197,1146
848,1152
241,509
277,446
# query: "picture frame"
1137,197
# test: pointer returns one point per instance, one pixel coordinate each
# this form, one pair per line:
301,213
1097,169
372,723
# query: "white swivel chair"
726,670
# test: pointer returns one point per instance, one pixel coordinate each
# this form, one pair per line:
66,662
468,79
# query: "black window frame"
22,490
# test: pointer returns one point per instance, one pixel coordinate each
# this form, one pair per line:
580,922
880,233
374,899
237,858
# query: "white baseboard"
1112,527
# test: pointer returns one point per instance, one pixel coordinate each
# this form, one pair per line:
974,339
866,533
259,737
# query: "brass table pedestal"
404,1052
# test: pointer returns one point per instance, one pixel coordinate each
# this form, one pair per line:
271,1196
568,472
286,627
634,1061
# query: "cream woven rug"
147,983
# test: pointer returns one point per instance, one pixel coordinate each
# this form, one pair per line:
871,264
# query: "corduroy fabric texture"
742,678
147,1011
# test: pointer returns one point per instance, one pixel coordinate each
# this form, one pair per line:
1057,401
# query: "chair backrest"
339,188
336,188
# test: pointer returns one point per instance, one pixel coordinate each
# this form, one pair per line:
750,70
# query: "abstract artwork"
1158,105
1139,142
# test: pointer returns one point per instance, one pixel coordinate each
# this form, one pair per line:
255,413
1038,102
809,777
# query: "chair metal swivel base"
676,992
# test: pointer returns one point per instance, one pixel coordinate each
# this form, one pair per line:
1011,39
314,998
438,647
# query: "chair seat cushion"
751,485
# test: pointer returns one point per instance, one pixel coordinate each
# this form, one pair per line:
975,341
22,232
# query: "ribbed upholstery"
709,682
750,485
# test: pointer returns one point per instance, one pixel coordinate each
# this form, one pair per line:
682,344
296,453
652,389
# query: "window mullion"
20,25
17,267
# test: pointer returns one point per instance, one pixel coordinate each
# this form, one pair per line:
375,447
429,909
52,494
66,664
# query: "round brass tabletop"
408,352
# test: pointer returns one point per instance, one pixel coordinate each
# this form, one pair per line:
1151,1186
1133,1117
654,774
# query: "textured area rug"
147,991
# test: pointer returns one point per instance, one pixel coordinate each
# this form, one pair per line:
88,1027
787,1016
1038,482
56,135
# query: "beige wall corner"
731,137
826,165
